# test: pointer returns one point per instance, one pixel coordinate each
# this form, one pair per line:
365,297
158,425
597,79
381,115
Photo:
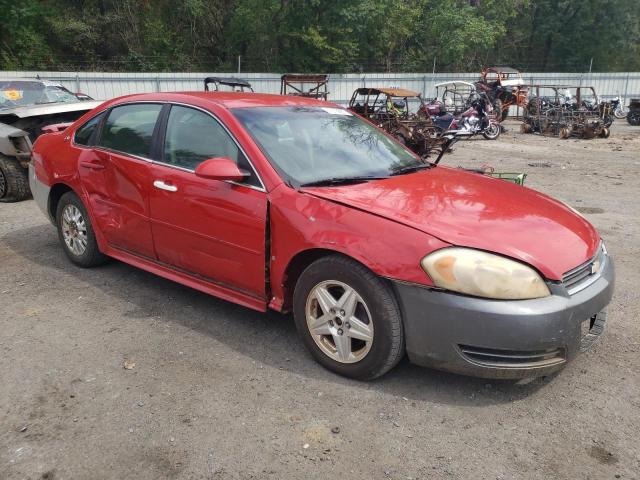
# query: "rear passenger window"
86,134
129,128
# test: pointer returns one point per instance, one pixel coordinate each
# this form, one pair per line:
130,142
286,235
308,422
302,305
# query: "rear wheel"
634,117
14,180
76,233
348,318
605,132
620,112
497,108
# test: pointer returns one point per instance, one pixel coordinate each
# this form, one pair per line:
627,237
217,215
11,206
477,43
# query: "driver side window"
192,136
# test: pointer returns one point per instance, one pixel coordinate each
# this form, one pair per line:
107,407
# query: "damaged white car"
27,106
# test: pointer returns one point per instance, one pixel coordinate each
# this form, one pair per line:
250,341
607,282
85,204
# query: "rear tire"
14,180
76,233
323,321
620,112
497,108
634,117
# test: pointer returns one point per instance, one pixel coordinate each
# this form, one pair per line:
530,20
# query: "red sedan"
298,205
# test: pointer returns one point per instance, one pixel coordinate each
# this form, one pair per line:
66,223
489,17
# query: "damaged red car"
295,204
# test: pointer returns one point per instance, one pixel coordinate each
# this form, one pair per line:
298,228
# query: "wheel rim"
3,184
74,230
339,321
493,130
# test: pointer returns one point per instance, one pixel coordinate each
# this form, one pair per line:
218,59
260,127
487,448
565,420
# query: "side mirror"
220,168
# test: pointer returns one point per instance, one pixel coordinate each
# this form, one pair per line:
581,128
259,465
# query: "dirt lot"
221,392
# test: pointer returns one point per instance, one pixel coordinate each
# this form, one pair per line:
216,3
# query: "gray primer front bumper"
40,192
437,323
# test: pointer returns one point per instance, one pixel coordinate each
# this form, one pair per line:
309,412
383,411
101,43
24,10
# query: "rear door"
115,174
213,229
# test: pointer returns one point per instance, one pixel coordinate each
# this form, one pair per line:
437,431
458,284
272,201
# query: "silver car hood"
49,108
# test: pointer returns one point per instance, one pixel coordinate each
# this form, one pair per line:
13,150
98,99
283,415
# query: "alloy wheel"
74,230
339,321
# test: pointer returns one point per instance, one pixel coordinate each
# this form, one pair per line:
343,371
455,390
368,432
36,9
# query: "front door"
115,174
213,229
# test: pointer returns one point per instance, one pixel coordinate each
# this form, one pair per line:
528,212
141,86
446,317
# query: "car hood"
49,108
473,210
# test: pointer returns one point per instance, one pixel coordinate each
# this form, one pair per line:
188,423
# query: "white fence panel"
105,85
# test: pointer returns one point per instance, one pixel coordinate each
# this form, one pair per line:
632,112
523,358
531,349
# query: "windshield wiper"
340,181
412,168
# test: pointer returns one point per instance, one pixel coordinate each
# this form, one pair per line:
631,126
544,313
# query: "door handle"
92,165
163,186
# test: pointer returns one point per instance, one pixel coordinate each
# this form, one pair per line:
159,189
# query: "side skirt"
197,283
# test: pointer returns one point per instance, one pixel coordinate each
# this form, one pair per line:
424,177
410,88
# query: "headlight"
483,274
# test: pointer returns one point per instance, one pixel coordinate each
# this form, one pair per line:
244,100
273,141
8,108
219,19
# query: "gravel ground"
220,392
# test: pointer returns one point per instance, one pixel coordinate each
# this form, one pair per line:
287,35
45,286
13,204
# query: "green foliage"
319,35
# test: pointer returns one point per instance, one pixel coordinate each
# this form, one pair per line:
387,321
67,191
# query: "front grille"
582,275
490,357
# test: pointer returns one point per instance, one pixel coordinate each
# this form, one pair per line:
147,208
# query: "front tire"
492,132
348,318
14,180
76,233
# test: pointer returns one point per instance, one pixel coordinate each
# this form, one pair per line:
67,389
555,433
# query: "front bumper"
40,192
503,338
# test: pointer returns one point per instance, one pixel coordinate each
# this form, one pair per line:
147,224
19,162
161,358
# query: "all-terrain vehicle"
395,110
564,111
233,84
26,107
505,87
305,85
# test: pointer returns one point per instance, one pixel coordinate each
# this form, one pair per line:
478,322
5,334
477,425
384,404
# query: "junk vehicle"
633,117
618,108
564,111
298,205
305,85
27,106
460,109
234,84
505,87
395,110
452,97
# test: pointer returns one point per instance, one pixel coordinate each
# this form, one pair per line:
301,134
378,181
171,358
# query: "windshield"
312,144
15,93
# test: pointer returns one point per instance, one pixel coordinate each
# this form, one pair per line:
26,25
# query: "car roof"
227,99
46,83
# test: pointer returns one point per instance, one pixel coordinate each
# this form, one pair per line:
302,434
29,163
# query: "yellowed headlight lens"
483,274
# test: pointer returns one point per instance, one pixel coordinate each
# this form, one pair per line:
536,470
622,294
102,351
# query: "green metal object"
517,178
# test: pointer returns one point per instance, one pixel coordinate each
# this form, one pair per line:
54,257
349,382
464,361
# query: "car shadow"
267,338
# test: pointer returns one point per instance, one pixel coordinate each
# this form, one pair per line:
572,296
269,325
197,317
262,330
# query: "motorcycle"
477,119
618,108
